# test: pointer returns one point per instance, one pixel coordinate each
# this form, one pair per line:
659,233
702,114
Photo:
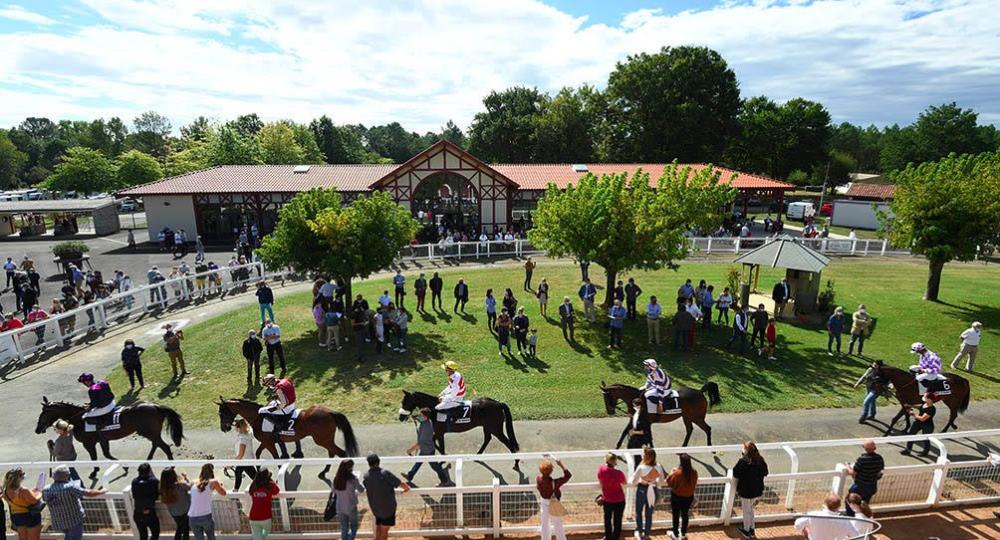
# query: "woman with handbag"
612,497
25,506
344,499
682,480
551,509
646,477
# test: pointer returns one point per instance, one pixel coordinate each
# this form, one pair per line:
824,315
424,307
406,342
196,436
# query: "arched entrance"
447,200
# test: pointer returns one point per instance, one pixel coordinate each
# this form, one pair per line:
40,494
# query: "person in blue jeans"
425,447
834,328
346,487
868,406
646,476
265,297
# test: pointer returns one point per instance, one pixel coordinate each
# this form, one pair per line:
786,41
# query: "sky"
424,62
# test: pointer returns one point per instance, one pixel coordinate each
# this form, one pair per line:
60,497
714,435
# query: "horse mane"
66,404
422,395
245,402
621,386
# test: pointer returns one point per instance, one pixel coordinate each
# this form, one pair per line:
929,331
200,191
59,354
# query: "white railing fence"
61,330
486,499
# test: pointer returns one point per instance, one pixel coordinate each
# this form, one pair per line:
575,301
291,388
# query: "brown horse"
319,422
907,392
143,419
693,403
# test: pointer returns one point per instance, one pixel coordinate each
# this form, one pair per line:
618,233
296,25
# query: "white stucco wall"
174,211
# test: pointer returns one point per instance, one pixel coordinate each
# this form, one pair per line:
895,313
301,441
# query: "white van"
800,210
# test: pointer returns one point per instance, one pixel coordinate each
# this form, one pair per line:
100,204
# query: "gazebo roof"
786,252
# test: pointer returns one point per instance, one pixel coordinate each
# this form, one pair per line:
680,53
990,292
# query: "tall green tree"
278,146
862,144
193,157
249,125
505,131
85,171
453,134
393,142
12,162
944,129
149,134
625,224
118,133
339,144
564,132
39,139
899,148
680,103
778,139
228,146
311,153
316,233
944,210
136,168
197,130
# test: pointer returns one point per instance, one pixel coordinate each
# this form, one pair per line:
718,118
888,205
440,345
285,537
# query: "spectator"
10,323
639,430
504,325
706,307
272,342
683,480
827,523
381,485
521,325
62,448
618,293
359,322
132,364
10,267
646,476
970,346
461,295
145,492
612,496
175,493
38,314
509,302
62,497
24,516
856,507
425,447
319,319
781,294
653,311
331,325
533,343
772,339
346,488
529,268
616,324
402,328
437,285
551,514
587,293
385,299
868,406
923,422
685,291
265,298
584,270
172,345
420,289
683,322
262,491
867,471
543,298
632,293
244,450
252,349
695,315
759,320
399,287
200,510
861,323
725,300
739,329
749,472
834,328
491,310
566,319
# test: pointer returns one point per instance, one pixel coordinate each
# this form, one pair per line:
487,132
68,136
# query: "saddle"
671,403
284,424
457,415
940,385
105,422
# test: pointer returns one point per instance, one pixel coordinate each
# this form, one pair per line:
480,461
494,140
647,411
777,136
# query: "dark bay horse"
693,403
319,422
492,415
144,419
907,392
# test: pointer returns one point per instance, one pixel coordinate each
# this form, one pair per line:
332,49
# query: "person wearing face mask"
131,363
272,339
861,322
252,348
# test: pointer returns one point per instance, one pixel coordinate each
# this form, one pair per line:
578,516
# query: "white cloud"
422,63
15,12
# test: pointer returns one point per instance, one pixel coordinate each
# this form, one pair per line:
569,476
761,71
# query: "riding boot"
283,451
297,454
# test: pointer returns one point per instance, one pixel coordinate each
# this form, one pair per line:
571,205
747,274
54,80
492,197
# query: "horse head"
406,407
47,417
226,416
610,400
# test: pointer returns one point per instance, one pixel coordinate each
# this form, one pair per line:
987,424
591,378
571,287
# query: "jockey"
657,384
102,400
930,364
279,409
453,394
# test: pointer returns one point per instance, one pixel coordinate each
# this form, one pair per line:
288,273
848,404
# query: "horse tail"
350,442
712,391
509,423
965,401
174,425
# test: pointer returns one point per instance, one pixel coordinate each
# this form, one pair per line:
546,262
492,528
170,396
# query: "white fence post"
739,240
105,483
709,248
286,522
728,498
459,496
838,480
794,458
940,474
496,507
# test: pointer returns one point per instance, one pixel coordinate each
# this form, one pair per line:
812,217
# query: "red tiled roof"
281,179
880,192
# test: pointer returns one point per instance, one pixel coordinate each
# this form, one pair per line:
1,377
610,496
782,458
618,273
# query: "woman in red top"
772,339
548,489
262,491
612,495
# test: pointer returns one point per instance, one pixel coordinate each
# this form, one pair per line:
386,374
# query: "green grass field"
564,380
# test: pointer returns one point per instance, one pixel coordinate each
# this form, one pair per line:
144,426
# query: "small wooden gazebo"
803,267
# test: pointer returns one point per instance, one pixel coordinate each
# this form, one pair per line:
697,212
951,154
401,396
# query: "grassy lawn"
564,380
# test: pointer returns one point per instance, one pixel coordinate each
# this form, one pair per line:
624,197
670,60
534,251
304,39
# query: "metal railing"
60,331
490,504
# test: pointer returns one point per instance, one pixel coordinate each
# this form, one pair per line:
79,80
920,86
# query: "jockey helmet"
450,364
84,377
649,362
269,379
917,347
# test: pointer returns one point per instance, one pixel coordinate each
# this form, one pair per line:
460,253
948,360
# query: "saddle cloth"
105,422
267,424
459,415
670,403
940,385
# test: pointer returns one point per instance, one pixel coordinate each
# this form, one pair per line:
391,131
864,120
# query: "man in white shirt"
826,524
970,346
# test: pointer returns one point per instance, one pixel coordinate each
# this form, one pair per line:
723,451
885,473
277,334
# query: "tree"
149,135
136,168
36,137
227,146
85,171
898,148
278,146
249,125
453,134
624,223
778,139
505,132
944,129
197,130
193,157
118,132
315,233
12,162
680,103
393,142
944,210
863,144
338,143
564,132
307,142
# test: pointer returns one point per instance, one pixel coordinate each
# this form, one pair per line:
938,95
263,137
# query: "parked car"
826,210
128,205
814,189
800,210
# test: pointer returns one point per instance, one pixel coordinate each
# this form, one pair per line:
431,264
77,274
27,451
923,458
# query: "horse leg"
332,450
487,437
297,454
689,429
951,420
106,449
92,450
440,443
706,428
895,419
510,446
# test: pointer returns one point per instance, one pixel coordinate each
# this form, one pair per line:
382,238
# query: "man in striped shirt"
867,471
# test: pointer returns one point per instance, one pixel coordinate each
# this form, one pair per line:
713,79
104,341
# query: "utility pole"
822,194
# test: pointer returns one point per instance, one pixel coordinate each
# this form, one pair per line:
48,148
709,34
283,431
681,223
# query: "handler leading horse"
693,403
906,389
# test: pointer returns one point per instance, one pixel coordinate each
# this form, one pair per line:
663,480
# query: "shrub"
69,250
825,301
733,281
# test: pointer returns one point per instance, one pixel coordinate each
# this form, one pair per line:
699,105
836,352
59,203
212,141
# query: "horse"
319,422
144,419
907,393
693,403
488,413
